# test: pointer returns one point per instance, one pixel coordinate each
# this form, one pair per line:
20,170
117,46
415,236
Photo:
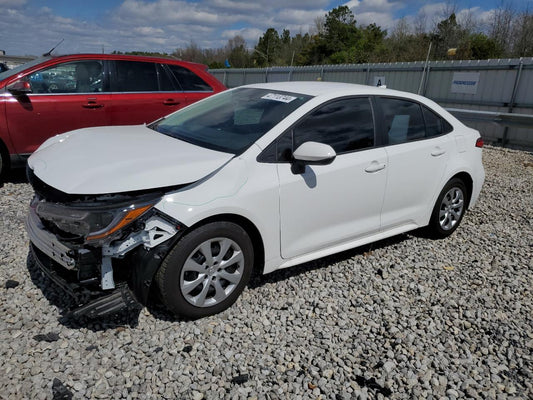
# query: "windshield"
20,68
231,121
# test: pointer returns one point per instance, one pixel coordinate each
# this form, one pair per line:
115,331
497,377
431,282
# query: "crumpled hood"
120,159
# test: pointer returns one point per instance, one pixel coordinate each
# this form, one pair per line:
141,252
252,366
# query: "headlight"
92,224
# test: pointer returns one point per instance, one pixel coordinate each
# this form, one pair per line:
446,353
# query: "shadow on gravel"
277,276
16,175
65,303
130,318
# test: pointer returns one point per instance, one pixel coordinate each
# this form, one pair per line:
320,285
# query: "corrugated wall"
504,85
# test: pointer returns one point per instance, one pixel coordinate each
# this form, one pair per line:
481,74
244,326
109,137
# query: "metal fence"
493,96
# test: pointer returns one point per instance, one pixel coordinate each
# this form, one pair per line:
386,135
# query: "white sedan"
260,177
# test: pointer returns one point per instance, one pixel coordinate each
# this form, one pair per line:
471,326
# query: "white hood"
120,159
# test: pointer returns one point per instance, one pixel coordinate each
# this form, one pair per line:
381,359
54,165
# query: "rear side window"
435,125
189,81
165,83
134,76
402,119
346,125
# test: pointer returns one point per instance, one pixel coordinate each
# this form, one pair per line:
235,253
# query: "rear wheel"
207,270
449,209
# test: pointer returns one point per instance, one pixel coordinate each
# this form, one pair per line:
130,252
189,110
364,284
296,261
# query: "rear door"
142,92
418,150
64,97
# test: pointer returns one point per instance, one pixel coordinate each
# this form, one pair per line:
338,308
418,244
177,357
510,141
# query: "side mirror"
314,153
311,153
19,87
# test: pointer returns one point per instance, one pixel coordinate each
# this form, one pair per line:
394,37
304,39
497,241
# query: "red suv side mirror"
19,87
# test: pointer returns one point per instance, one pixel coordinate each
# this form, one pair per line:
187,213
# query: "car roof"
101,56
329,89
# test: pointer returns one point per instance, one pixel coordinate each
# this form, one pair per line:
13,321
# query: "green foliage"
267,49
338,39
482,47
342,41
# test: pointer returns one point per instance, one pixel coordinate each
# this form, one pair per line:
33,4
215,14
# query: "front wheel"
207,270
449,209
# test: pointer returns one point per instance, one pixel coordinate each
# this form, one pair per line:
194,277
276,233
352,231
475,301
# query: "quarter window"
188,80
435,125
165,83
346,125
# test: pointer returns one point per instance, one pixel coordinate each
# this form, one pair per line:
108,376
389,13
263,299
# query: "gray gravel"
404,318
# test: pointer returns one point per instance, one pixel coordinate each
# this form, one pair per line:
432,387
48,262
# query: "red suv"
52,95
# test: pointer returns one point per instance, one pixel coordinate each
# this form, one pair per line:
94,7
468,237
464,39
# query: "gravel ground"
404,318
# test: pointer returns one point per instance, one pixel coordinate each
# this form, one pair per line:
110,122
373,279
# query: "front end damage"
103,251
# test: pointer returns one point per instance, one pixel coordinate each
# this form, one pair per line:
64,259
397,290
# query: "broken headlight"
91,223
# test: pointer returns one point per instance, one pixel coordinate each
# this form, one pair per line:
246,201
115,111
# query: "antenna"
53,48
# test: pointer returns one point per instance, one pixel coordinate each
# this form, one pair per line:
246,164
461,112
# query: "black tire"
189,293
448,210
4,163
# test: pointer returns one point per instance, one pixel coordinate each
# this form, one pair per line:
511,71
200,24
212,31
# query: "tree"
370,46
522,34
237,54
337,37
482,47
267,49
500,26
404,45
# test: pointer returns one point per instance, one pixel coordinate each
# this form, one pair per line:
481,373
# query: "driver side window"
346,125
74,77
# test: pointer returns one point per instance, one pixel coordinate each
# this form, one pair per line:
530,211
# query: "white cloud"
12,3
298,17
148,30
164,25
383,20
251,35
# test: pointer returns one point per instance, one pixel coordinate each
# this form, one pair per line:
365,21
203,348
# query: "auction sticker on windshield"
279,97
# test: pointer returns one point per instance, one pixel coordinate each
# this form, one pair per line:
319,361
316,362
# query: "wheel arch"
250,228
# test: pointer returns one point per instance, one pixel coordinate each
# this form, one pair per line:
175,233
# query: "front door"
330,204
64,97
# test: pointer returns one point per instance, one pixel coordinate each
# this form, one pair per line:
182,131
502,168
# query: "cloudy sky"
31,27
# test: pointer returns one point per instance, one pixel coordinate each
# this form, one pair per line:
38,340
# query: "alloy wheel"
451,208
211,272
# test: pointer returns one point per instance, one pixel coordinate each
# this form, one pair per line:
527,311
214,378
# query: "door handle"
375,167
92,103
437,151
171,102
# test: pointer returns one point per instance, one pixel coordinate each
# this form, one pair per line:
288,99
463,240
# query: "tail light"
479,142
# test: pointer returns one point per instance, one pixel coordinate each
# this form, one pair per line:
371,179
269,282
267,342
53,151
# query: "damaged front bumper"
107,279
91,303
